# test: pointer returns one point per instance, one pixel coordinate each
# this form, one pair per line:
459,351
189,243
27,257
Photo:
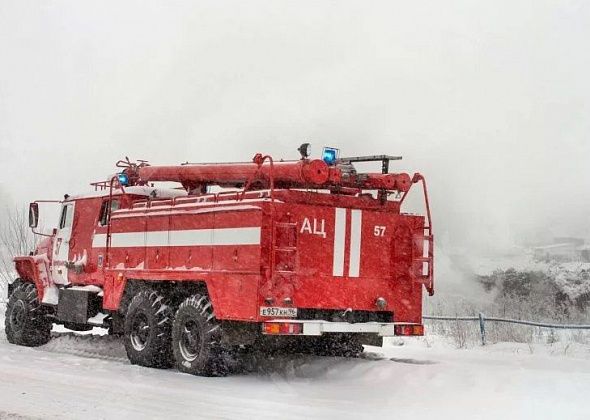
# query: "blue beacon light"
123,179
330,155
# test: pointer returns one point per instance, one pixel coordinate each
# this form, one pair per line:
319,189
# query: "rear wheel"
147,330
26,320
196,339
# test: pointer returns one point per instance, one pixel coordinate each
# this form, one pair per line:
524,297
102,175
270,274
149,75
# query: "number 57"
379,231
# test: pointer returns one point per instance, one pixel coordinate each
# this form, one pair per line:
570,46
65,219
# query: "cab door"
61,249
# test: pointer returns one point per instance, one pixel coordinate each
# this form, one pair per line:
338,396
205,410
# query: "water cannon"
331,172
312,173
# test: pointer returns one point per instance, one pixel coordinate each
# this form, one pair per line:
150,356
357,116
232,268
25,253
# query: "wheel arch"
28,271
119,293
175,291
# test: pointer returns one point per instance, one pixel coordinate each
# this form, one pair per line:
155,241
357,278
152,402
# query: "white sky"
490,100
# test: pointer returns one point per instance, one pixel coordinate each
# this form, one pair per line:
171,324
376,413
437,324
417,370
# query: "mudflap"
76,306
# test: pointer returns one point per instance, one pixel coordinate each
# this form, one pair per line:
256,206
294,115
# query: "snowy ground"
88,377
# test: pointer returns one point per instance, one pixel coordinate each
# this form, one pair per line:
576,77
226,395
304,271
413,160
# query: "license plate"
278,312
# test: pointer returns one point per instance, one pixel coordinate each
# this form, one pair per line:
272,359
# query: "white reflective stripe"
153,238
191,237
356,222
339,237
120,240
195,237
236,236
99,241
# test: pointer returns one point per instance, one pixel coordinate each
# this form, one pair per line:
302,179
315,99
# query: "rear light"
409,330
282,328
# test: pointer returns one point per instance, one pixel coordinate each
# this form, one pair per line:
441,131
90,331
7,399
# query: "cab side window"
67,215
105,212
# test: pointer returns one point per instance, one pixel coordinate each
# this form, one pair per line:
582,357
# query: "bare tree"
16,238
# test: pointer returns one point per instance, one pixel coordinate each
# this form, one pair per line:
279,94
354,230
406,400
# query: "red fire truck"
302,254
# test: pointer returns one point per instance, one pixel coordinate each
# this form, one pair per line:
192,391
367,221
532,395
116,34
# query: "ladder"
285,248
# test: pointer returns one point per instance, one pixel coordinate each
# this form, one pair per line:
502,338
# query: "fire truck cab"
308,255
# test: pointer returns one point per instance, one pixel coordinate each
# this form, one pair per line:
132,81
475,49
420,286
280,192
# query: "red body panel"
32,268
228,244
280,248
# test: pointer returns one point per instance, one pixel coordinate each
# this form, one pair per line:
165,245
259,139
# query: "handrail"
109,210
259,160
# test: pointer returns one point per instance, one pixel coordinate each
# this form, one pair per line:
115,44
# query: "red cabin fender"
34,268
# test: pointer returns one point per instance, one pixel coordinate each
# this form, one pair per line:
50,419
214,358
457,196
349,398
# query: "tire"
26,322
196,339
147,330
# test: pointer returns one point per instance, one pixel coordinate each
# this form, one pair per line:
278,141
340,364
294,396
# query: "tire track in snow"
102,347
11,416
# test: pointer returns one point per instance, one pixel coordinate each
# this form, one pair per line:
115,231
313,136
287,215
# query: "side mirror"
33,215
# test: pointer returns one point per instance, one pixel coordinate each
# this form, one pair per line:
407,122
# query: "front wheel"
196,339
26,321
